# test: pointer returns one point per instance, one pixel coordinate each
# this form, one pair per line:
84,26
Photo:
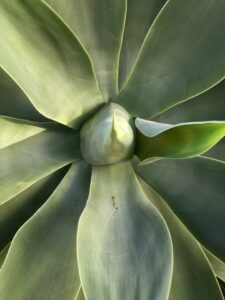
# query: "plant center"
108,137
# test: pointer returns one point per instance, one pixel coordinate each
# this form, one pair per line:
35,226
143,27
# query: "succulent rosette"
112,181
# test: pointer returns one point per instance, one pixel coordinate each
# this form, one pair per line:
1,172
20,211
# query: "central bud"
108,137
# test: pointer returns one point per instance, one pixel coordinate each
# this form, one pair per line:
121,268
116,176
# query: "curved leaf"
99,26
207,106
41,262
217,265
16,130
14,103
184,140
140,15
3,254
217,152
188,283
18,210
182,56
130,257
43,56
195,190
25,162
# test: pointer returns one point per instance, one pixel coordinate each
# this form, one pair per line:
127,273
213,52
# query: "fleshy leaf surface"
184,140
47,61
80,294
41,262
16,130
3,254
14,213
191,272
139,18
194,189
217,265
207,106
130,257
14,102
25,162
182,56
99,26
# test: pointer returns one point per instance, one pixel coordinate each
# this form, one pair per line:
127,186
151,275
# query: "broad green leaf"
13,102
3,254
124,248
25,162
191,271
217,265
99,26
184,140
46,60
207,106
194,189
14,213
182,56
16,130
140,15
41,262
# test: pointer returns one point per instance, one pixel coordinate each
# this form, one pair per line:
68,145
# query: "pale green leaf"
46,60
194,189
140,15
80,294
124,248
182,56
99,26
184,140
25,162
16,130
41,262
18,210
217,265
191,272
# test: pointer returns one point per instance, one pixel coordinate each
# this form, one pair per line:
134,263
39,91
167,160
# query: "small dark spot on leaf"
114,205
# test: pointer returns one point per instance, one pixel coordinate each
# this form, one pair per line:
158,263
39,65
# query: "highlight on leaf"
184,140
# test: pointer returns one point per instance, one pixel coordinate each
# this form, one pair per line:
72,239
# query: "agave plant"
111,153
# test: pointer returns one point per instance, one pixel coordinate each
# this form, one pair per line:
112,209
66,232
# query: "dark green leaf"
41,262
27,161
18,210
99,26
207,106
14,103
140,15
182,56
191,271
3,254
46,60
195,190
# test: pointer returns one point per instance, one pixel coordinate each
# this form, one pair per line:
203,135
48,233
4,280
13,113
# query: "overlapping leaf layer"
151,226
